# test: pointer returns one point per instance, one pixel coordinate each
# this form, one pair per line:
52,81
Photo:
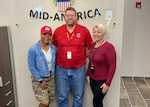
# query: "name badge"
69,55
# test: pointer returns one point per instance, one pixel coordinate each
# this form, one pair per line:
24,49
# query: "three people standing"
73,42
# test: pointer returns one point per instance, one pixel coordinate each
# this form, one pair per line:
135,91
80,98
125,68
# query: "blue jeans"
70,80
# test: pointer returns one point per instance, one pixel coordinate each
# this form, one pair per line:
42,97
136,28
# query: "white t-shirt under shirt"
48,57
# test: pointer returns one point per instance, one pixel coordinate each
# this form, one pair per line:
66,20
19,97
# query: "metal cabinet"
7,98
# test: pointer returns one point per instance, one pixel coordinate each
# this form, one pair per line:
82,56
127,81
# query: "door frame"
12,65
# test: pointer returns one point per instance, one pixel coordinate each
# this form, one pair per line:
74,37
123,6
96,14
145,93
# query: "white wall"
25,32
7,15
136,57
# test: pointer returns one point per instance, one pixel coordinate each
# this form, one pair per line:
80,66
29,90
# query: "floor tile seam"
127,81
147,83
130,82
126,93
140,93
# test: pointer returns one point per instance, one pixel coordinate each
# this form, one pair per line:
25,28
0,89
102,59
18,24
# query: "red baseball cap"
46,29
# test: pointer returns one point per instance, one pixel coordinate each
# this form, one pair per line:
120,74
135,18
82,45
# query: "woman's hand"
43,84
104,88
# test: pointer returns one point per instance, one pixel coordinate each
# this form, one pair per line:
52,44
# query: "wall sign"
60,16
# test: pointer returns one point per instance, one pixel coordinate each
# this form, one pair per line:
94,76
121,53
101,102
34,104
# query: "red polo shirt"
75,43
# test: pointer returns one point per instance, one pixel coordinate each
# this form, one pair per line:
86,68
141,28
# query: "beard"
71,23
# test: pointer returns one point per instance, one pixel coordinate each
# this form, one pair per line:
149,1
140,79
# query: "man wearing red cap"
41,62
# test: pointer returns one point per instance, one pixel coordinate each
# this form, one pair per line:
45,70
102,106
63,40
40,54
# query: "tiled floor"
135,92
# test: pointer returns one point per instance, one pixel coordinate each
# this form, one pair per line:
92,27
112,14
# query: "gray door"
6,81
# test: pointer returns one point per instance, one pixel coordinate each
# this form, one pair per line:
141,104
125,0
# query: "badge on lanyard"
69,55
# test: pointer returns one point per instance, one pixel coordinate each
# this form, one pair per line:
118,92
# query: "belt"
50,74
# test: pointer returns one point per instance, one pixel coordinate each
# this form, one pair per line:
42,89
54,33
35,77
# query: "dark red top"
76,42
104,60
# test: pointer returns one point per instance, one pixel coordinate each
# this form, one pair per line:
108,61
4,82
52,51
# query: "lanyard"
69,38
93,54
94,51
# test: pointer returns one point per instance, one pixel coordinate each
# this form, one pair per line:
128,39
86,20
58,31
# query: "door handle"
9,103
1,81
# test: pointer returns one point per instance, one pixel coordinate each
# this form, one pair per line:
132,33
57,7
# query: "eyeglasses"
69,15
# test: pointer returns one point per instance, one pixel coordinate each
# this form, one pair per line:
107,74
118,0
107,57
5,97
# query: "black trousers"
98,96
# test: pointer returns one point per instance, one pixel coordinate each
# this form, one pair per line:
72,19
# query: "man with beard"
73,42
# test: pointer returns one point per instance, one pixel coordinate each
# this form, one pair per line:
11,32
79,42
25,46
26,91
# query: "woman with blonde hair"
102,65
